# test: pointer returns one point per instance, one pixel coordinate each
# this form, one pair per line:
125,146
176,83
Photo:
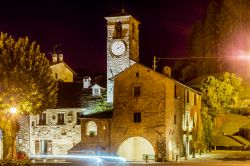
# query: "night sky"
80,27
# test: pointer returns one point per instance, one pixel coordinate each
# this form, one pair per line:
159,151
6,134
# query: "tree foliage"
25,77
219,95
222,34
25,83
100,104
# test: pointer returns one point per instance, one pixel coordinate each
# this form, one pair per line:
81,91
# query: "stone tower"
122,46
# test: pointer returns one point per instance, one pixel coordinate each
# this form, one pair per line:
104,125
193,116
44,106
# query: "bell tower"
122,46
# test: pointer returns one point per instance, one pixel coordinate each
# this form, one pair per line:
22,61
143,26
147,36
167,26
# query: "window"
91,128
175,119
78,121
96,92
137,117
42,119
60,119
56,76
137,91
118,30
175,91
195,98
33,123
137,74
187,96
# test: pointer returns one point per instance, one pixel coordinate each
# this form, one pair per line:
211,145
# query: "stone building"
153,114
122,46
58,130
60,70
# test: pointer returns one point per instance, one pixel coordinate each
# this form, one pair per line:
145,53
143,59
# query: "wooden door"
37,147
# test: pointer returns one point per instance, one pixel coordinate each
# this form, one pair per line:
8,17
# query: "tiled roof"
58,62
99,115
73,95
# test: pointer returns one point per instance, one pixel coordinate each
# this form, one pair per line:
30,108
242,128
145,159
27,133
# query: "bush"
7,162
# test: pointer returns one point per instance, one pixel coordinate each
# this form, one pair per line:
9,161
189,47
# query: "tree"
222,33
220,95
100,104
25,83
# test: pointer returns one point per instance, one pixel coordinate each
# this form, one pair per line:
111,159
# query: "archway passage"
135,149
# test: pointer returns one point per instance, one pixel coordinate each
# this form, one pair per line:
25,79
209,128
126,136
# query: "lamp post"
13,111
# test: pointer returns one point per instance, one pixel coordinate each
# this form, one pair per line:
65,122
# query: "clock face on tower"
118,47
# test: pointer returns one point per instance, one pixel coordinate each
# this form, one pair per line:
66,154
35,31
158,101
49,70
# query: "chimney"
60,57
86,82
54,57
167,71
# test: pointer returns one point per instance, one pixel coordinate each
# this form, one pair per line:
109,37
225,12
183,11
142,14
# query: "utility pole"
154,63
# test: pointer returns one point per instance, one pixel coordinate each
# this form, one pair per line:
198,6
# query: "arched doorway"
134,148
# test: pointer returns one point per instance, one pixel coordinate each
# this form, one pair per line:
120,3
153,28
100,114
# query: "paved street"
225,158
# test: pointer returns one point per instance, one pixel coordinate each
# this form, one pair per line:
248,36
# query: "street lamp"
13,110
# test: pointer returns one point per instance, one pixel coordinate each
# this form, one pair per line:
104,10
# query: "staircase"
87,149
244,142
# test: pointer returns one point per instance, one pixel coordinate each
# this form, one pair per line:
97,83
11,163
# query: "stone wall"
162,113
99,143
62,137
151,104
23,135
63,73
115,65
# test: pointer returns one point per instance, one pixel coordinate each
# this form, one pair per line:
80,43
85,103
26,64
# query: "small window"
91,128
33,123
96,92
187,96
60,119
42,119
187,120
56,76
175,91
195,96
137,117
175,119
137,91
137,74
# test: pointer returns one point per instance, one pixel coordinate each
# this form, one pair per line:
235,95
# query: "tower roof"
121,13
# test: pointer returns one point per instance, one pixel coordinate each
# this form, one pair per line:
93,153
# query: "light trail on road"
98,159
